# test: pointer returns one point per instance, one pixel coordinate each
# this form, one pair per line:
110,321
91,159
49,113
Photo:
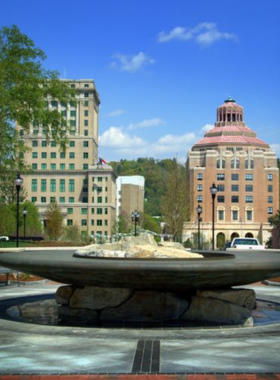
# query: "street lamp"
24,213
135,216
213,191
199,212
18,183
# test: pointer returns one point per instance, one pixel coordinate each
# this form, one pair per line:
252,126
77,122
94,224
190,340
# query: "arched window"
237,164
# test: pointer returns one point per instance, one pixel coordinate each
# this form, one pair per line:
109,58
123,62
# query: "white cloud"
276,149
131,63
206,128
204,34
116,113
115,137
170,140
146,124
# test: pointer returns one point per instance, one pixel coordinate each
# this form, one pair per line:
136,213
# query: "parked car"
4,238
246,243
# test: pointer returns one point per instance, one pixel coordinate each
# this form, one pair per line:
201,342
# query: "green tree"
274,220
122,225
72,234
54,222
175,202
24,87
151,224
7,220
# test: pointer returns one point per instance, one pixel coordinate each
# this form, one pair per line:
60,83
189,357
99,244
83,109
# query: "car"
4,238
246,243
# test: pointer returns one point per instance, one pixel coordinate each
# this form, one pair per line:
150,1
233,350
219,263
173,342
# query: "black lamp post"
24,213
135,217
199,212
18,183
213,191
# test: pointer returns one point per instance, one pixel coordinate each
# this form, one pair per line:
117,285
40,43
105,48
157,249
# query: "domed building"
243,169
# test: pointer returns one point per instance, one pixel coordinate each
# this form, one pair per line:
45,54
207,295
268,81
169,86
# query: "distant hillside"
155,172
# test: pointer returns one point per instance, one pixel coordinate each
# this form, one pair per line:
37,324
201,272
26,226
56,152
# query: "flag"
101,161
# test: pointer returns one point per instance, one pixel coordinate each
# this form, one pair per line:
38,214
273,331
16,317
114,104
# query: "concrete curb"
270,283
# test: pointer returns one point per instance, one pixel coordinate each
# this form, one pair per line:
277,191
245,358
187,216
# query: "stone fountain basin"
215,270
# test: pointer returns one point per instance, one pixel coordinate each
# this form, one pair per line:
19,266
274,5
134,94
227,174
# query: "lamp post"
213,191
18,183
199,212
24,213
135,216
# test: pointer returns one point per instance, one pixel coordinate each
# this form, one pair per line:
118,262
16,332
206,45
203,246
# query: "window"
34,185
69,222
270,177
72,133
85,199
34,166
33,199
84,222
86,94
234,187
54,103
85,144
99,179
61,199
249,164
43,166
85,132
86,85
43,200
270,210
249,177
270,188
52,199
53,185
106,199
86,103
62,166
220,198
85,166
199,198
62,185
73,85
86,113
71,166
85,155
86,123
35,132
72,113
92,199
199,187
199,176
248,199
62,155
234,198
99,222
221,214
106,222
234,215
72,123
221,187
72,144
44,143
106,211
92,210
53,166
35,143
235,177
43,185
84,211
92,222
69,210
53,155
221,164
220,176
71,200
63,113
99,199
249,215
249,188
270,199
44,155
99,211
71,185
71,155
53,144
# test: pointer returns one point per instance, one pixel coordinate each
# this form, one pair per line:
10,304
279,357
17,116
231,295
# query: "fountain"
102,286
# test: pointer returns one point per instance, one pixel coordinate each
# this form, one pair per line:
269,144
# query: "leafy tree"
175,202
72,233
7,220
54,222
149,223
122,225
24,87
274,220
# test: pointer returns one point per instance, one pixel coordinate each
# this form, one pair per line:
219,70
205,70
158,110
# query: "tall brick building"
245,171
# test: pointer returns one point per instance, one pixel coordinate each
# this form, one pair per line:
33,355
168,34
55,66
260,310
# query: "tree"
24,87
274,220
175,202
149,223
122,225
7,220
54,222
72,234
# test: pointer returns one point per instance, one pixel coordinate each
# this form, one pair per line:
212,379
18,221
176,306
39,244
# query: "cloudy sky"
162,67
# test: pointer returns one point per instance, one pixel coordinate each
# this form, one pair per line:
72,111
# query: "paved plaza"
29,350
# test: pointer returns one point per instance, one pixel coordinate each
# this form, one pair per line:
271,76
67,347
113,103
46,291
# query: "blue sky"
162,67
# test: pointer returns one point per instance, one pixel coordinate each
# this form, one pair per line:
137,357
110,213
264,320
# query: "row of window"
62,185
70,132
234,177
98,222
84,210
44,166
235,187
54,155
70,200
235,214
235,199
44,143
234,163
